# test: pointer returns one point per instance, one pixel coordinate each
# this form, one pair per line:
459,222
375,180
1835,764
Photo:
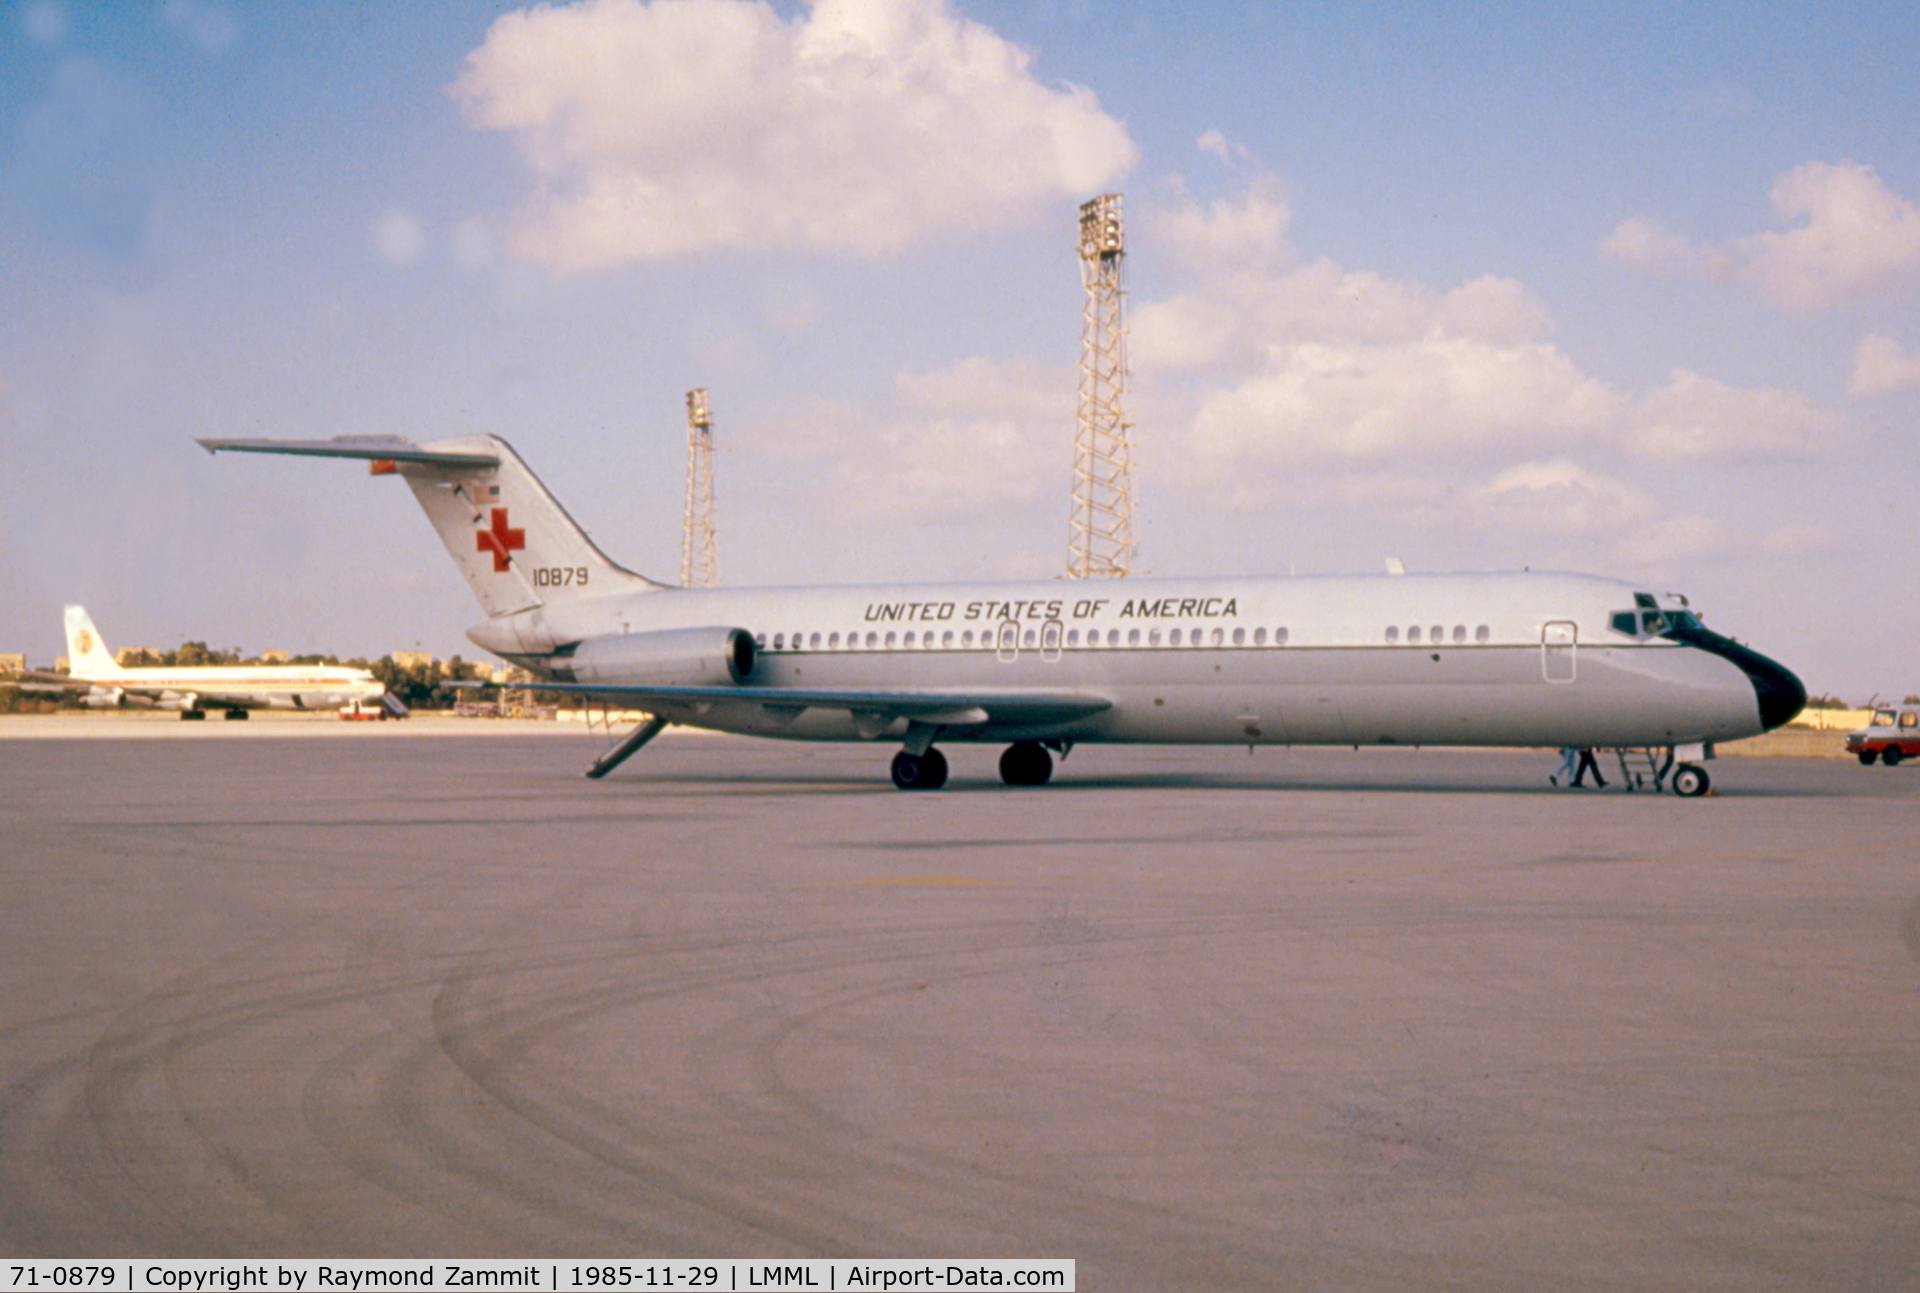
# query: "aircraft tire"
1867,757
922,772
1690,781
1026,763
1891,756
193,715
233,714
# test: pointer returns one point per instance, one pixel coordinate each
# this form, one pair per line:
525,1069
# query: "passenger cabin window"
1239,637
1219,636
890,639
1393,636
873,640
1436,634
1482,634
833,642
1073,637
1413,634
1280,637
1174,638
946,639
1460,634
1133,637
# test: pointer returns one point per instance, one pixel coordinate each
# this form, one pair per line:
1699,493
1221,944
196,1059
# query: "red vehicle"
1893,735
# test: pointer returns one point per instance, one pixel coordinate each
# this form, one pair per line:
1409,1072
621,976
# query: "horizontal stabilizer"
370,448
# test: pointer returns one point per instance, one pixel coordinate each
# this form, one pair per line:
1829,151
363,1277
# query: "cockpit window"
1883,717
1648,622
1646,601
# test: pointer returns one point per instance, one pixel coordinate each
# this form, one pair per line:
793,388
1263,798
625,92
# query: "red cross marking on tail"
500,541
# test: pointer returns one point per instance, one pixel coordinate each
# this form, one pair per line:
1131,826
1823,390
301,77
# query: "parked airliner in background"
1460,659
195,689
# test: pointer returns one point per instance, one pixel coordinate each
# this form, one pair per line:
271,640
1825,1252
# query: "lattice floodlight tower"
1100,545
699,552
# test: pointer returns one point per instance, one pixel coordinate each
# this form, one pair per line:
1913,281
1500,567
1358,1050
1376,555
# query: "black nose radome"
1780,693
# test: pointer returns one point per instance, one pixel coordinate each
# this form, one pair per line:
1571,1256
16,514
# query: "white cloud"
1859,238
1611,520
398,237
1882,367
1440,396
212,28
1855,239
1561,497
1674,538
472,243
1696,417
861,126
1650,245
1798,540
1268,383
967,439
45,22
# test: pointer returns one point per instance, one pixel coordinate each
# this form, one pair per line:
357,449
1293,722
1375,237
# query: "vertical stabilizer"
513,542
515,545
87,655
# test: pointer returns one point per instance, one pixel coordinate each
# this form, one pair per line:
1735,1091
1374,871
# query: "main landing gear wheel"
1891,756
193,715
920,772
1026,764
1867,757
239,714
1690,781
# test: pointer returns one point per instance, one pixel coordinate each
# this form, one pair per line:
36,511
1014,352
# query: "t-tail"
87,655
508,534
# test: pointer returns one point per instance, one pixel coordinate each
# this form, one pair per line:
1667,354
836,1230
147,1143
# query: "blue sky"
1629,289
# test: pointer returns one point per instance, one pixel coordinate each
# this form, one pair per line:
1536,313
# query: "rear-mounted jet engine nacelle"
667,657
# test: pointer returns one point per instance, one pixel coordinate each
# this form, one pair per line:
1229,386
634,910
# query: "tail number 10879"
559,576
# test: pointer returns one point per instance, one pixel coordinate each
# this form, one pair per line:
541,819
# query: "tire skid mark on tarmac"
464,1112
794,1138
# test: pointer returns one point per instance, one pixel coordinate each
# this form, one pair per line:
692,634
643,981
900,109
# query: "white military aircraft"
195,689
1457,659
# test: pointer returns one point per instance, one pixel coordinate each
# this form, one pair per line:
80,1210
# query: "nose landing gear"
1690,781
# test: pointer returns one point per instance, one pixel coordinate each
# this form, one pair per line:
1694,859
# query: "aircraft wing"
949,709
